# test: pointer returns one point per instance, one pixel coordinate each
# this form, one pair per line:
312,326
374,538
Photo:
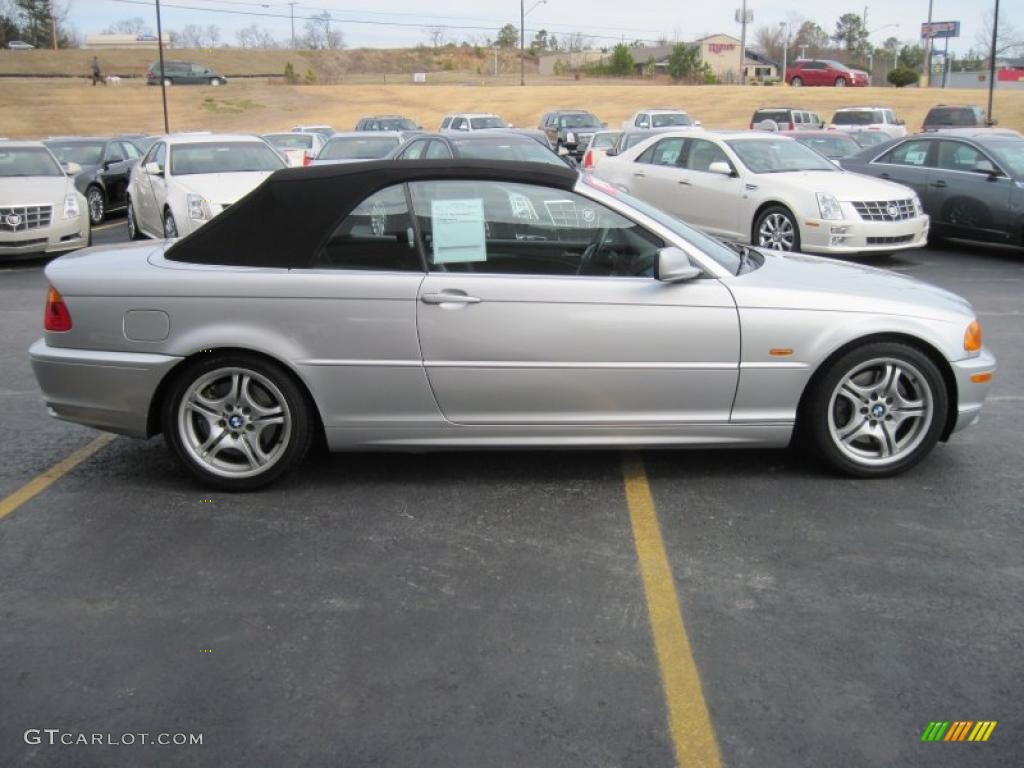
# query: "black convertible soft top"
282,222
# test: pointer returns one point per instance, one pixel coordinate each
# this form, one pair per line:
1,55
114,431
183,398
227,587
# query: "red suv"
824,72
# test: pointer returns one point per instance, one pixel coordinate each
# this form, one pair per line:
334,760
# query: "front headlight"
570,137
972,337
828,206
918,208
71,206
198,209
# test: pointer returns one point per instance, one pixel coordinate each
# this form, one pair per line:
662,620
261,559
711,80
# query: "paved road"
486,609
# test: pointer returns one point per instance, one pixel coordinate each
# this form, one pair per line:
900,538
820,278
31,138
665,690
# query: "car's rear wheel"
170,228
97,205
776,228
877,410
796,82
168,82
215,81
133,226
840,82
237,422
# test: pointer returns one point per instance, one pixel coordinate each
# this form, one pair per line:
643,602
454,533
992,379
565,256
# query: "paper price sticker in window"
458,231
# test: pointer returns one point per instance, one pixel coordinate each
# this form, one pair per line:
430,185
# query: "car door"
540,309
142,196
114,173
157,197
965,202
655,175
712,200
907,163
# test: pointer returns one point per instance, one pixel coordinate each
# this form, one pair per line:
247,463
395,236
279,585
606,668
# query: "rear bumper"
106,390
971,395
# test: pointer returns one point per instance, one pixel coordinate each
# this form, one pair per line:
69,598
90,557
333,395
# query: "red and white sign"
721,47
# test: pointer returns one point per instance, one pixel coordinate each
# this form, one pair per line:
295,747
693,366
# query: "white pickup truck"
660,118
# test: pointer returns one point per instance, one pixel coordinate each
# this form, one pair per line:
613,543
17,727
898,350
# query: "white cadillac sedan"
768,190
185,180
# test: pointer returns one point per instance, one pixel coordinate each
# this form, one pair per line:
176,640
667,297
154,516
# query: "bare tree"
437,36
577,41
255,36
320,36
770,41
195,36
134,26
1008,42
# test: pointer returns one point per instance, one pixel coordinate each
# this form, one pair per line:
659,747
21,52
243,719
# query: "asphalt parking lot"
495,609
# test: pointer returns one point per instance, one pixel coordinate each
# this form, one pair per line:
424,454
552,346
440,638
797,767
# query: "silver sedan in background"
487,304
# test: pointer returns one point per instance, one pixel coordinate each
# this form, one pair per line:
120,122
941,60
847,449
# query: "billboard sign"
936,29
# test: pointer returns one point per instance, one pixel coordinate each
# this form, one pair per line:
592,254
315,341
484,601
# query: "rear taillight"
588,159
791,126
307,159
56,317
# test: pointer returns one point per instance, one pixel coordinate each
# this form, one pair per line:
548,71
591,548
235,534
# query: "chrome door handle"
940,183
684,182
640,175
448,298
883,176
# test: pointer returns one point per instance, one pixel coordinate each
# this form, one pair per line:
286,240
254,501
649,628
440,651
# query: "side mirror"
72,169
723,168
697,123
674,266
611,152
153,169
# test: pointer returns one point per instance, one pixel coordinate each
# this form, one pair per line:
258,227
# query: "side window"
114,152
376,235
665,152
956,156
703,153
550,120
913,153
521,229
438,150
157,154
642,121
415,150
457,123
446,123
130,150
798,118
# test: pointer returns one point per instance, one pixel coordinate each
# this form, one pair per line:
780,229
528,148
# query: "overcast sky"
402,22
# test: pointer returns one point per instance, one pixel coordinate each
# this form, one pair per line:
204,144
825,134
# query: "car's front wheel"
796,82
237,422
170,228
840,82
877,410
216,81
133,225
776,228
97,205
168,82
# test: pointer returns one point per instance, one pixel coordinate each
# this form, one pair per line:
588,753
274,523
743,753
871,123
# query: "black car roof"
282,222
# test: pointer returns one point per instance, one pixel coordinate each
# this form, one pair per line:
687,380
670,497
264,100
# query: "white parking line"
111,225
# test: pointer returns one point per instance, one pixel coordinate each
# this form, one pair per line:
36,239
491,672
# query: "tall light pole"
992,62
293,24
163,82
743,44
522,36
928,51
785,49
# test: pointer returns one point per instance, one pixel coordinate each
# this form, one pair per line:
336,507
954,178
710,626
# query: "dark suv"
570,130
947,116
387,123
183,73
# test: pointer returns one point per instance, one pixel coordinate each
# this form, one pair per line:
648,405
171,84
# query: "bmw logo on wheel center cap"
878,410
235,421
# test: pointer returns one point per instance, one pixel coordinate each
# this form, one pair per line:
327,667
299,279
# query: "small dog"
113,80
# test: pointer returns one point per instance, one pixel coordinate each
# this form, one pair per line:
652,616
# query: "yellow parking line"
42,481
689,723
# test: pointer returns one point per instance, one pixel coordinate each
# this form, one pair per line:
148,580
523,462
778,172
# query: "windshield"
27,161
858,117
578,121
869,138
357,148
604,141
395,124
632,139
952,116
236,157
1010,155
478,123
778,115
291,140
81,152
523,150
779,156
716,250
672,118
831,146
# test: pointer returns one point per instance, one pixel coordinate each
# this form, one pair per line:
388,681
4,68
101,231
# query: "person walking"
97,75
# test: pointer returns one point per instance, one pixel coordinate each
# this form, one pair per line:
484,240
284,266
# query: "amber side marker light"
56,317
972,337
981,378
780,352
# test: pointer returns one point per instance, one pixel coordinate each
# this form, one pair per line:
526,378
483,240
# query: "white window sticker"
458,231
916,156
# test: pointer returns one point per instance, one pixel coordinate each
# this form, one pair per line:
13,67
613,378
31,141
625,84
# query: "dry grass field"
41,107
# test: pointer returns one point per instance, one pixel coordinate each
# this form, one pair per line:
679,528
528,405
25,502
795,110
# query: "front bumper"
64,235
855,235
105,390
971,395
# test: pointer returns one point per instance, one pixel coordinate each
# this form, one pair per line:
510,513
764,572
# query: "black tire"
170,226
96,204
831,418
168,82
840,82
133,224
216,81
770,214
796,82
226,469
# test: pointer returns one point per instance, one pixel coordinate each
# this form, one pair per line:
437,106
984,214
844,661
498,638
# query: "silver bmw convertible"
419,305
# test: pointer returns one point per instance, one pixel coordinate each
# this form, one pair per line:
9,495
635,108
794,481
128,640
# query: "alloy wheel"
776,232
880,411
170,228
96,208
234,422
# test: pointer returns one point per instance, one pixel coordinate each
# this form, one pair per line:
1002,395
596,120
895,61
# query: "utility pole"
522,42
992,62
53,23
928,51
785,50
293,24
743,43
163,83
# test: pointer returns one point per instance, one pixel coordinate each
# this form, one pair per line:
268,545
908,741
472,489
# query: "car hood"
801,281
221,188
34,190
846,186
